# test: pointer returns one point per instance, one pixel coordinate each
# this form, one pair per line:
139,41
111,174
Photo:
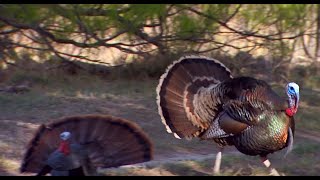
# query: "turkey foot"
267,163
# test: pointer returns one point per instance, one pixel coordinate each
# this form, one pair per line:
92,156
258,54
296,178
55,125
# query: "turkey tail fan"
109,141
37,153
176,90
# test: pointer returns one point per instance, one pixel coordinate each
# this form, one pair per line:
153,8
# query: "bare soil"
21,114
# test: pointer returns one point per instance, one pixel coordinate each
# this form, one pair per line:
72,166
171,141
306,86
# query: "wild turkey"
87,142
198,97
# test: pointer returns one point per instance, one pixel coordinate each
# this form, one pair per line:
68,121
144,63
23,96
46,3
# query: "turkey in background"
78,145
198,97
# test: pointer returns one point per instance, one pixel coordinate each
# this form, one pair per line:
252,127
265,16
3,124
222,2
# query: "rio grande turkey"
78,145
198,97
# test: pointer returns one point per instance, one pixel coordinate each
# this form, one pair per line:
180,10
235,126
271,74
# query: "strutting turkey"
79,145
198,97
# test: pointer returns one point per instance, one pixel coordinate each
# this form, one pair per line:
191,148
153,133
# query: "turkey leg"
216,168
267,163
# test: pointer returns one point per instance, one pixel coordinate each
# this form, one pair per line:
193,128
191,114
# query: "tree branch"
9,31
243,33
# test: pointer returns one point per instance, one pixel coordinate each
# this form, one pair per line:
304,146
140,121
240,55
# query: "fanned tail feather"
176,92
110,141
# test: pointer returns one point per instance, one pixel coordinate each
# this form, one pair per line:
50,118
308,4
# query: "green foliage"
25,13
141,12
291,16
187,26
149,28
218,11
288,17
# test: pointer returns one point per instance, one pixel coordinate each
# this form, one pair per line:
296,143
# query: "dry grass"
62,95
302,161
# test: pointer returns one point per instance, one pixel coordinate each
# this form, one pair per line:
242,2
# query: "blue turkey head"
65,135
292,90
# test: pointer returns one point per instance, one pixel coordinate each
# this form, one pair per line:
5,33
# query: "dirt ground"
21,114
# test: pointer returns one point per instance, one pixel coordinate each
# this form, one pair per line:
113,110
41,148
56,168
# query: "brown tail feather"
176,90
108,138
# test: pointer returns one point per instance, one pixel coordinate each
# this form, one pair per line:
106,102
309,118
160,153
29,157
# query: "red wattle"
64,148
290,112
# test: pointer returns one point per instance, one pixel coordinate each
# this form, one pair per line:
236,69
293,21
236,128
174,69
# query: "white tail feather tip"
176,136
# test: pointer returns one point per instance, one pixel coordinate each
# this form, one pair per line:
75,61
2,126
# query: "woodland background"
67,59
